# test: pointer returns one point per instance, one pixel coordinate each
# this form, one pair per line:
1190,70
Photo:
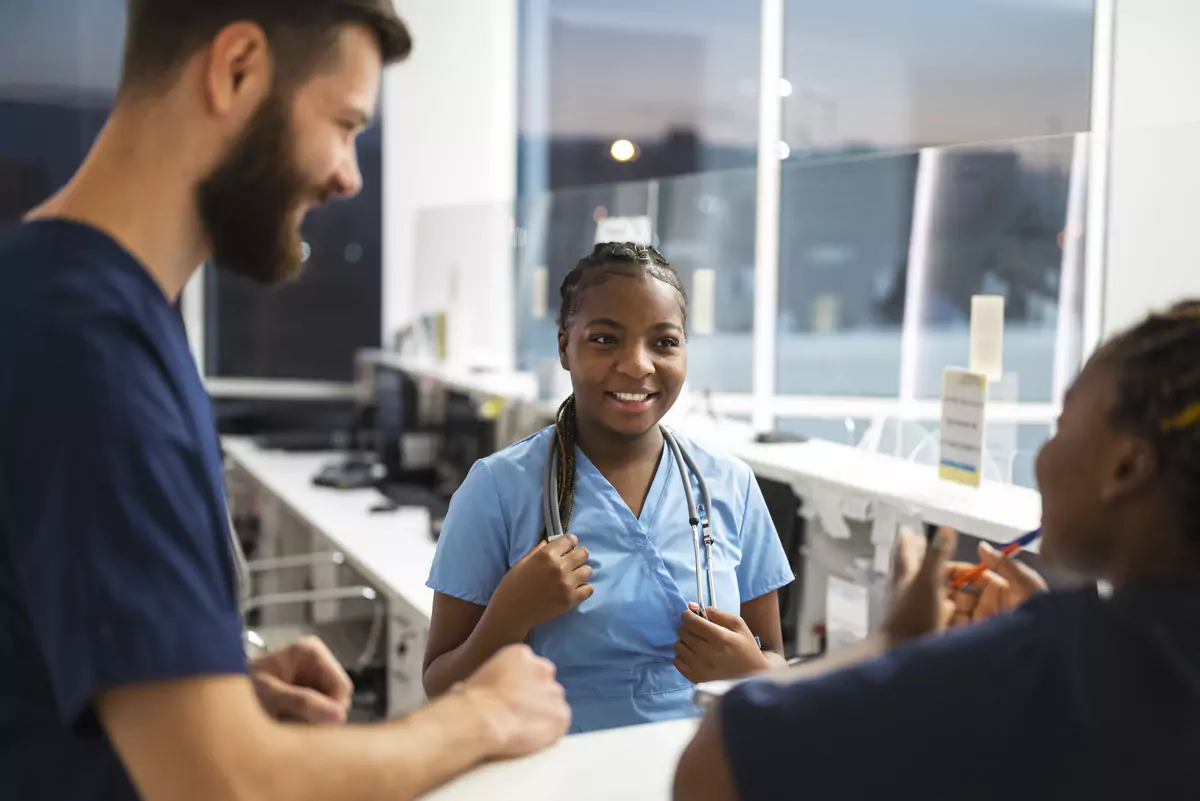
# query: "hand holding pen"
997,584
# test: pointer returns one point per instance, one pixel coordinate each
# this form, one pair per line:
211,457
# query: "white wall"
449,138
1154,183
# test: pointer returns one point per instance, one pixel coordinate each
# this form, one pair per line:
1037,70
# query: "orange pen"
1013,547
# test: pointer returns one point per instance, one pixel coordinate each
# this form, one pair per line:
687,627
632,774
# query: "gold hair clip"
1183,311
1185,419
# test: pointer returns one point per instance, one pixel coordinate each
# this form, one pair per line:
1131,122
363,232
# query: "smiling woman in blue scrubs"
613,613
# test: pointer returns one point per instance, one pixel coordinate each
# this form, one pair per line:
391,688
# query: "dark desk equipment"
302,440
351,472
360,467
398,496
467,436
289,425
414,454
784,506
407,451
776,437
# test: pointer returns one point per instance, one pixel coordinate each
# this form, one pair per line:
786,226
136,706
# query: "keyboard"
415,495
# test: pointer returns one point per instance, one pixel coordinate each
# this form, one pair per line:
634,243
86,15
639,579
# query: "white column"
1099,161
1153,253
192,307
449,141
915,289
766,248
1068,347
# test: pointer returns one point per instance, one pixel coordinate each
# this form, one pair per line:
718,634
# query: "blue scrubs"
115,561
614,652
1073,697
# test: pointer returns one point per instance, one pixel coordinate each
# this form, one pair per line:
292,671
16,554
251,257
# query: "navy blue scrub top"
1072,697
115,561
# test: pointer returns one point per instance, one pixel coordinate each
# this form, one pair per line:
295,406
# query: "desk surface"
631,764
393,550
997,512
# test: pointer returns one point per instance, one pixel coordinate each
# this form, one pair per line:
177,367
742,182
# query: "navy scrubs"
115,559
1073,696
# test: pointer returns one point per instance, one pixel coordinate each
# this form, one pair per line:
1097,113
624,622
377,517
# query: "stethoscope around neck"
685,463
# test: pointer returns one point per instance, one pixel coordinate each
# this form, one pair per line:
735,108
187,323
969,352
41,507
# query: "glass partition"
844,235
880,255
557,229
311,328
704,224
1006,219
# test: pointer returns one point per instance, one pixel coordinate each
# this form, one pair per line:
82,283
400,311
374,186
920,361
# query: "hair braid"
564,432
1158,396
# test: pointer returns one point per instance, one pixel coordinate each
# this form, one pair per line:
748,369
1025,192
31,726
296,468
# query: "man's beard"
249,201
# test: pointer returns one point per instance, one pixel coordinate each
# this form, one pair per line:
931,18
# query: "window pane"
1003,220
557,230
59,67
60,61
311,328
677,78
896,76
868,83
843,244
706,229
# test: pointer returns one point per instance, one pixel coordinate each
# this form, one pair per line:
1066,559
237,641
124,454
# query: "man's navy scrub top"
1073,697
115,560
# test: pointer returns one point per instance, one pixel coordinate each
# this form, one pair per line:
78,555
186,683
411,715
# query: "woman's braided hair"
623,259
1157,366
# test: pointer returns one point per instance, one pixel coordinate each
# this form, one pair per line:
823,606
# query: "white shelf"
869,481
865,483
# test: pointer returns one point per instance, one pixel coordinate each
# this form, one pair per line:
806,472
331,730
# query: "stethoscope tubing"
686,464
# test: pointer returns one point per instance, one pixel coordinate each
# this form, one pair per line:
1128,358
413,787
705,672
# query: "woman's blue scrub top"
614,652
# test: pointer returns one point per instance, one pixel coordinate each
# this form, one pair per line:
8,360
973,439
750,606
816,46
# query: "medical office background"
834,181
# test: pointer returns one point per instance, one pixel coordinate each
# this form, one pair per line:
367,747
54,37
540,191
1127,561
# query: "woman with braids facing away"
609,602
1073,696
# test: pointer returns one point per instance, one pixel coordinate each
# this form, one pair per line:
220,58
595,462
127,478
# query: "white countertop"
997,512
630,764
866,484
392,550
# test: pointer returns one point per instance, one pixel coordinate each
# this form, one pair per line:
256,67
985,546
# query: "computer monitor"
405,451
784,507
467,437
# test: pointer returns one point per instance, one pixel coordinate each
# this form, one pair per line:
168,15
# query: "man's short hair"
162,35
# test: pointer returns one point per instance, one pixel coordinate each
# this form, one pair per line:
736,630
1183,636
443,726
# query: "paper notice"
964,403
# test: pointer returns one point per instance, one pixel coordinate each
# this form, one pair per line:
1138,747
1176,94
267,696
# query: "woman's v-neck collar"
653,497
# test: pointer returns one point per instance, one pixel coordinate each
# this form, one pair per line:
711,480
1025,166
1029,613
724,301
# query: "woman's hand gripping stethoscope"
549,581
717,645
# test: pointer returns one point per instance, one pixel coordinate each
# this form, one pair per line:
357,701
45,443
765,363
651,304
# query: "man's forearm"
394,761
208,739
491,634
